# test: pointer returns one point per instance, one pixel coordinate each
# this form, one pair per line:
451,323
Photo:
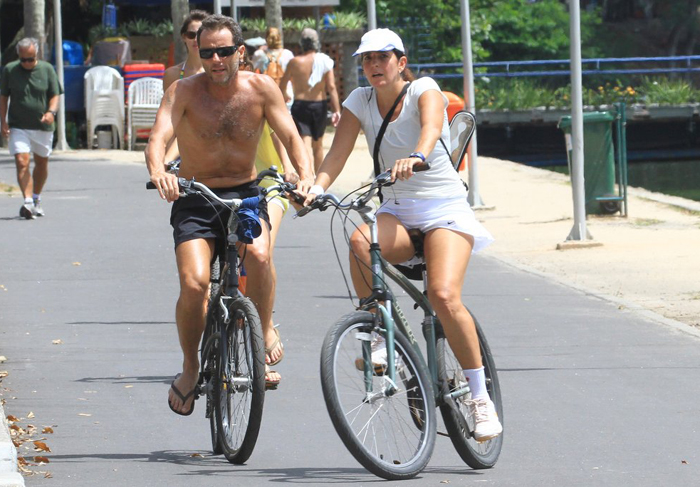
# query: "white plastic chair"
104,102
144,99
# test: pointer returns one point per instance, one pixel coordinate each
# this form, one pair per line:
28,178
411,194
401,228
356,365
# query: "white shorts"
23,141
429,214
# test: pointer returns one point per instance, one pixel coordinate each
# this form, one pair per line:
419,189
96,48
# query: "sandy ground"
648,261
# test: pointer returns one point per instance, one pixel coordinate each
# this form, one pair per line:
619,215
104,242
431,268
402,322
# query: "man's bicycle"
232,354
385,415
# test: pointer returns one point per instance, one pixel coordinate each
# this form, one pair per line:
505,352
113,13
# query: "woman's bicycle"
232,354
385,414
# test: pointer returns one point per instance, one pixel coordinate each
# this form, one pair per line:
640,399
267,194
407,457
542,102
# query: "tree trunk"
273,15
179,10
34,20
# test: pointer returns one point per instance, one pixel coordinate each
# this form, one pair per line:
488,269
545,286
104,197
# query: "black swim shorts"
310,117
196,216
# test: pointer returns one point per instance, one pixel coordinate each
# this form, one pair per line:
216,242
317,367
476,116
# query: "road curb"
626,304
9,476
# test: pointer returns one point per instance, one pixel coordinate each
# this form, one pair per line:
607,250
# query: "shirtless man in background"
311,74
217,117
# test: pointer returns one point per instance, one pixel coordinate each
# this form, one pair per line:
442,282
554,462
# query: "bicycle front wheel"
240,385
451,377
391,434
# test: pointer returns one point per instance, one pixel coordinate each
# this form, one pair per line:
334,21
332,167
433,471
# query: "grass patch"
646,222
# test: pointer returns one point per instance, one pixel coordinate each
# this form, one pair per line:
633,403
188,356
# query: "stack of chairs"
104,102
144,96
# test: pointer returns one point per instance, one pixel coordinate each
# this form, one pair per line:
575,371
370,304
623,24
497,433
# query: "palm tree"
273,15
34,22
179,9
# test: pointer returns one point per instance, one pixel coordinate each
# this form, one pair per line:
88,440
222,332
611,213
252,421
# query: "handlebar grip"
421,166
150,185
305,210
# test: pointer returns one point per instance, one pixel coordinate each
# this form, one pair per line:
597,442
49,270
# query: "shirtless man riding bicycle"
217,117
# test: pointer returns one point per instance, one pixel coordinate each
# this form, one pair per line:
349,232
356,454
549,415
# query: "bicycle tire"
450,375
390,447
210,363
239,388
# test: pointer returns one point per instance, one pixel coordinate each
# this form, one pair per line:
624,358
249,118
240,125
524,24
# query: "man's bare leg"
24,176
260,285
194,267
40,174
317,152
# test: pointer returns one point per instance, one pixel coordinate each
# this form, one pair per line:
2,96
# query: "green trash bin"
598,160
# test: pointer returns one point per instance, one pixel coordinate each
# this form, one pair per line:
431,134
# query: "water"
677,178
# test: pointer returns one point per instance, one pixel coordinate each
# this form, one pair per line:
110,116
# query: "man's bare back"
299,69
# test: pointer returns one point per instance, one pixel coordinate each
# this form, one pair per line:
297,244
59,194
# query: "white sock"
36,197
28,201
477,382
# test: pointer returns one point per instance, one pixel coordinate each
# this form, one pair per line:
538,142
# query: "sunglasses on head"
27,59
222,52
191,34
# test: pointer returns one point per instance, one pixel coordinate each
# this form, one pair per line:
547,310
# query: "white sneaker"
486,423
38,210
27,211
379,361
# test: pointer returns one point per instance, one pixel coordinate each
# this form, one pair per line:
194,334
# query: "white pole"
371,15
234,10
578,232
217,7
474,197
61,142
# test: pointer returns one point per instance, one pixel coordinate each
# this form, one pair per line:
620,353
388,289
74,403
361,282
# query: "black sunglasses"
221,51
27,59
191,34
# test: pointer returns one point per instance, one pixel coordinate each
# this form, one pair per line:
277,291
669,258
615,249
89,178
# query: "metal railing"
509,69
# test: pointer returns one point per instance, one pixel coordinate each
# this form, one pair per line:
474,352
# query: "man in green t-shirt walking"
31,89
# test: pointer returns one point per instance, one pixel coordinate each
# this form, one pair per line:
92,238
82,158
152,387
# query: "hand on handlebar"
167,186
404,168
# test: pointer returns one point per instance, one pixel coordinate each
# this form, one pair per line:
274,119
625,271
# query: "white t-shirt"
400,138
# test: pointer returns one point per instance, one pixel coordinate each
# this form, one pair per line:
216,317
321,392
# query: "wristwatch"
53,113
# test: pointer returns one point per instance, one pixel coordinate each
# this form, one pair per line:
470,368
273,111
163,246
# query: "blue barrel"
72,54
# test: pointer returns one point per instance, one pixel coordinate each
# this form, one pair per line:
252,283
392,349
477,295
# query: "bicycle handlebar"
190,186
327,199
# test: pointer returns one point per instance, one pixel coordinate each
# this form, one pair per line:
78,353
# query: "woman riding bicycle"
432,201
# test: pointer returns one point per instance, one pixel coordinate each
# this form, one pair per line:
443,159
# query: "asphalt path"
594,395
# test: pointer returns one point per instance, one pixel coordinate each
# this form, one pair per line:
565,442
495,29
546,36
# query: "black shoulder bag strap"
382,129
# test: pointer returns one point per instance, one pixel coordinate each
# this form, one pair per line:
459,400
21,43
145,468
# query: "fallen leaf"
57,342
84,414
41,460
41,446
48,475
199,455
683,462
47,431
30,415
3,373
3,359
128,387
76,263
12,419
3,287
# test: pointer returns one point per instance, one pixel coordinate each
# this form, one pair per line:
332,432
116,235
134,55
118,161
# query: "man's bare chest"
237,119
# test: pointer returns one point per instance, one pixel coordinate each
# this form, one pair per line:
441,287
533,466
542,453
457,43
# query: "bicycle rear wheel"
392,436
240,385
451,377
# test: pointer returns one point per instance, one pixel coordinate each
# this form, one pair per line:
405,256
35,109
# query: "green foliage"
343,20
145,28
664,91
521,30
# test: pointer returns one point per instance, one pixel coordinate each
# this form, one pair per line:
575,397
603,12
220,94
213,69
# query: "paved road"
594,395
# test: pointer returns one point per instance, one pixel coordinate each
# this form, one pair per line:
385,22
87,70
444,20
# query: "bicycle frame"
382,292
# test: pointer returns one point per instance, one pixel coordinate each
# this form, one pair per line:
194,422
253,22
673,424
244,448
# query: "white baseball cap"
380,40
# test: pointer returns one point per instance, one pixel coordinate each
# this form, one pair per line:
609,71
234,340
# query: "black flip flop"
183,397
